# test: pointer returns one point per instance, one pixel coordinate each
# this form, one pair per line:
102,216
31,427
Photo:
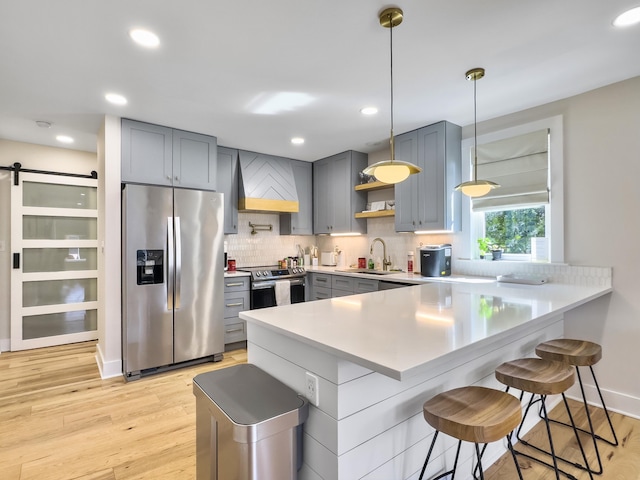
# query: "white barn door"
54,275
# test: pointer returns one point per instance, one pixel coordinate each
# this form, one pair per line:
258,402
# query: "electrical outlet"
311,388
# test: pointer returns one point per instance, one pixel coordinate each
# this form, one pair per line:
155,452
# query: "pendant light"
392,170
475,187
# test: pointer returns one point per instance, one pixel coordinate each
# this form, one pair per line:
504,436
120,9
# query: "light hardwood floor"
60,421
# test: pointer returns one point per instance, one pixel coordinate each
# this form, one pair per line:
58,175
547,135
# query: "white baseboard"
108,369
616,401
5,344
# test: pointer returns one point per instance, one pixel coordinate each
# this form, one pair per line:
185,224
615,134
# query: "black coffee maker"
435,260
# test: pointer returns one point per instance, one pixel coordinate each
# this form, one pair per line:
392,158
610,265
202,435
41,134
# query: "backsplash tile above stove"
263,248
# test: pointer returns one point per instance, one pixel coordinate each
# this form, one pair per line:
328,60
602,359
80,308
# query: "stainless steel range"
272,286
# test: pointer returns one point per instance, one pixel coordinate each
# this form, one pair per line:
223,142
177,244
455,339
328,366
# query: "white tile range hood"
266,184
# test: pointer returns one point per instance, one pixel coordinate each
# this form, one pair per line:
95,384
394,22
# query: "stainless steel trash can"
248,425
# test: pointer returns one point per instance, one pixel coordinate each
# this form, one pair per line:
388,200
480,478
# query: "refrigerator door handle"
178,262
170,263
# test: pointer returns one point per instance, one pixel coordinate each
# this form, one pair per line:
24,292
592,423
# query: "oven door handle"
272,283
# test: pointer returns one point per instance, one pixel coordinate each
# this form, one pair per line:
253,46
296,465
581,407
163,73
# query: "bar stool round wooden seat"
580,353
472,414
541,378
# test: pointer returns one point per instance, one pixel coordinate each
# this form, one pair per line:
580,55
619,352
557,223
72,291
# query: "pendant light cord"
391,141
475,133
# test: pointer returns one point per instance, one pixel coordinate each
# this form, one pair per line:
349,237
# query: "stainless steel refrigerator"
172,278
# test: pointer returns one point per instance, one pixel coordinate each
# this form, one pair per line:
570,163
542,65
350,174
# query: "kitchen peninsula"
379,356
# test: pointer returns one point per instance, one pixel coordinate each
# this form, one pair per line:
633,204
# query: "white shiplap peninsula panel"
386,437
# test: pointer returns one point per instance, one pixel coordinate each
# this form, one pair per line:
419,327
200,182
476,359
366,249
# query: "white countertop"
236,273
398,332
401,277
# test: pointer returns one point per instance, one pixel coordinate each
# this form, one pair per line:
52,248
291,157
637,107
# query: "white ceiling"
216,60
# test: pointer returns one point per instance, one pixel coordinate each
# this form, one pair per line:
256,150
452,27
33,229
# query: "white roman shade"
520,165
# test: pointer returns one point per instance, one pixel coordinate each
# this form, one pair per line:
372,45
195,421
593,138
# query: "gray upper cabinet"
147,154
157,155
427,201
300,223
194,160
406,193
228,185
335,201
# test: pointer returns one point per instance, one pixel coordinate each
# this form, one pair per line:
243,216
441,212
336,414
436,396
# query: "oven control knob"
294,270
265,273
258,274
301,270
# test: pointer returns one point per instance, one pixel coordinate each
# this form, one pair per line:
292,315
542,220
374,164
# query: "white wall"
109,349
35,157
602,162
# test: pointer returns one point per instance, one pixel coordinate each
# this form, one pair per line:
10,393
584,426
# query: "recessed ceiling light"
369,110
43,124
144,37
64,139
115,98
630,17
297,140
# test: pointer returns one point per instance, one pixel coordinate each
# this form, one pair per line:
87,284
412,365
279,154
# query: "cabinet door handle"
235,304
321,280
234,330
234,284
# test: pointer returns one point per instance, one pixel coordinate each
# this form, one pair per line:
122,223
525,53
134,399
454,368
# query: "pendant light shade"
475,187
392,170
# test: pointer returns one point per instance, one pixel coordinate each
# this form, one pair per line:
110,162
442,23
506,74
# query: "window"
513,229
527,162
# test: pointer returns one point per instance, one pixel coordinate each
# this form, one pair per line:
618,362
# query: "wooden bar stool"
542,377
580,353
473,414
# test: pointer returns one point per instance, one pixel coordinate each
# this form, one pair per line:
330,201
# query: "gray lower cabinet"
236,299
228,185
157,155
362,285
427,201
300,223
319,285
326,285
335,201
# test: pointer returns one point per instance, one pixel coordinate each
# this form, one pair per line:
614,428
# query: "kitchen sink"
367,271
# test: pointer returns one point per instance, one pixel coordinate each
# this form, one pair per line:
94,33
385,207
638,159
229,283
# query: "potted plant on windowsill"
483,247
496,251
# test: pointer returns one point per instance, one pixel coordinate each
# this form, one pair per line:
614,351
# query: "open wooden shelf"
379,213
373,186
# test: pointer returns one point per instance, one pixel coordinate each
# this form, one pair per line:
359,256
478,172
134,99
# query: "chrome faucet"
385,261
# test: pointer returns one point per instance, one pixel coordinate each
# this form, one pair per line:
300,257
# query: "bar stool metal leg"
613,443
541,378
455,462
513,456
